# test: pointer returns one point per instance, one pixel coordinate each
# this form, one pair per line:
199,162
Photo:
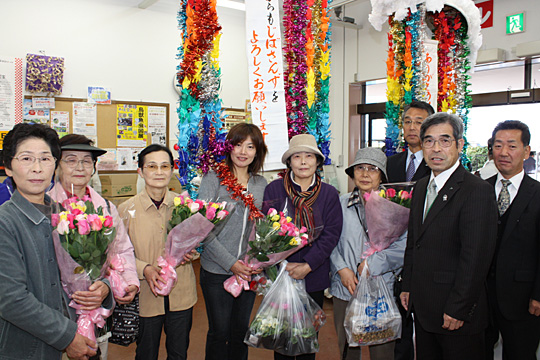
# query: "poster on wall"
157,124
11,92
33,115
84,119
99,95
131,125
60,122
266,85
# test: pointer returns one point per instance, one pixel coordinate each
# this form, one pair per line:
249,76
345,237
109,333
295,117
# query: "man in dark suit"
514,277
450,244
409,165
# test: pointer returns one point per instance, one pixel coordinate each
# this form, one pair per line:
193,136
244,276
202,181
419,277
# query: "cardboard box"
118,199
114,185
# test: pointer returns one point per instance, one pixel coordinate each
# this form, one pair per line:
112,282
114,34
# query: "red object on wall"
486,13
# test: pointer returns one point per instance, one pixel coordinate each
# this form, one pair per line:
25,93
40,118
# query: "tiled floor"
327,335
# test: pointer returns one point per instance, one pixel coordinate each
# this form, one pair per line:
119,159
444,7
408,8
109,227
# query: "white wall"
112,43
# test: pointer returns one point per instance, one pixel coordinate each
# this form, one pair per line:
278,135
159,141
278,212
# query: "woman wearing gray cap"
75,169
368,172
313,204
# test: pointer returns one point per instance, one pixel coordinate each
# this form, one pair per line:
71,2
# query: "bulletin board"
107,121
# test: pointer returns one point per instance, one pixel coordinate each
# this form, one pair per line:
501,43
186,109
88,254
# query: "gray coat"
351,245
32,322
230,244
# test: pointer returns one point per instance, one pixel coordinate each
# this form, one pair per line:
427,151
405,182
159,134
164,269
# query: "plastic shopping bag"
287,320
372,316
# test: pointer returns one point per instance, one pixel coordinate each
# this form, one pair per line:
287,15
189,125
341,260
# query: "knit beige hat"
301,143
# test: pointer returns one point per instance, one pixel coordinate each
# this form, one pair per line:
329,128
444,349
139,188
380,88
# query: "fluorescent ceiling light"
231,4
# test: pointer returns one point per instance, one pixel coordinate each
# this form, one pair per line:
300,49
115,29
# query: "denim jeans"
228,318
177,325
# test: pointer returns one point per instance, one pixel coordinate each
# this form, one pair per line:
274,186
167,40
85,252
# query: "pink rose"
222,214
390,193
211,213
95,222
83,227
405,195
108,221
71,219
366,196
272,212
76,212
86,198
54,219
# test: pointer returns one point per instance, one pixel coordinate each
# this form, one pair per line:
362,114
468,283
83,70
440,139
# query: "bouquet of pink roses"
275,238
82,236
191,222
387,217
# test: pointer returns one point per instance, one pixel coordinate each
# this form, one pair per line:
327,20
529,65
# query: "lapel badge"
445,197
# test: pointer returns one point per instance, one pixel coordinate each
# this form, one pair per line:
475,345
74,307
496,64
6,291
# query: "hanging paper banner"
131,126
11,92
431,61
266,77
99,95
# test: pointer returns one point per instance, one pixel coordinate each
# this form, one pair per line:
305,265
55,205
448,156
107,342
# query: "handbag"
125,323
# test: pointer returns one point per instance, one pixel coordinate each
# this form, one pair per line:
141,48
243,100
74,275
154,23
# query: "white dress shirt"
513,187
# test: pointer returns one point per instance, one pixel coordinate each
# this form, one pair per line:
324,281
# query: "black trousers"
432,346
177,325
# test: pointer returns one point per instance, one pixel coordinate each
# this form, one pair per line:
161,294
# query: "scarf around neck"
303,201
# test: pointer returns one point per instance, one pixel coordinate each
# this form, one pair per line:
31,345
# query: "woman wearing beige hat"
368,172
313,204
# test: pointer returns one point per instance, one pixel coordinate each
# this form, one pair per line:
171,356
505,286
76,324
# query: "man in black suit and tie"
514,277
450,245
410,165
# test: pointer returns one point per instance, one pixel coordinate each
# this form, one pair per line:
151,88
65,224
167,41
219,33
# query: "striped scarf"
302,201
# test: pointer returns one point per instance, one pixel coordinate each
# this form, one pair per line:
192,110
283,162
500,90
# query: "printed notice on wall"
35,116
131,125
60,122
157,124
11,93
84,118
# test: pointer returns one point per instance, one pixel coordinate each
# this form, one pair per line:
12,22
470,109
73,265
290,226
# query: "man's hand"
131,291
298,271
404,297
450,323
92,299
348,279
151,274
81,348
534,307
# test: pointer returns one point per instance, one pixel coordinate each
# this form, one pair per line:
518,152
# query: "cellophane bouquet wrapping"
81,238
387,217
287,320
274,238
372,317
191,222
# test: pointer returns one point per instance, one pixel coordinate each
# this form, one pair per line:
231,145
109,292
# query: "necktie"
504,197
430,196
411,169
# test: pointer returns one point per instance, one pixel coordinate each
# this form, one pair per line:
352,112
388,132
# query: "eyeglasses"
409,123
73,162
369,169
29,160
154,167
443,142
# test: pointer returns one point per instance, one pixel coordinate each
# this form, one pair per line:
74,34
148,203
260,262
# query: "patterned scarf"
302,201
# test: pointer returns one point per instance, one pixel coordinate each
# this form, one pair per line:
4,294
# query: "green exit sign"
515,24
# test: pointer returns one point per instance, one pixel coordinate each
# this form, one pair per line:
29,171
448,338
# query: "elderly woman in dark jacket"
313,204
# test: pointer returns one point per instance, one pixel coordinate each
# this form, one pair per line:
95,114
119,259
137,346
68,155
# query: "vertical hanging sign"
266,86
431,80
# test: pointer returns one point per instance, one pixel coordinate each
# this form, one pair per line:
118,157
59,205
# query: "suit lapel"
419,193
422,171
443,197
519,204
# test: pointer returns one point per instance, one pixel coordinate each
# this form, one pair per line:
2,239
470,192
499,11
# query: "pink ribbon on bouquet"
168,273
235,285
118,284
88,318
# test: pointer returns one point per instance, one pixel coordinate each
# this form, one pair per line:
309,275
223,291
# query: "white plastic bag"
372,316
287,320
